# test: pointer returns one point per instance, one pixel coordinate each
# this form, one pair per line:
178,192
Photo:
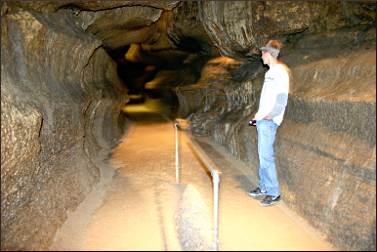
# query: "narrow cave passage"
154,76
143,193
145,100
143,208
90,91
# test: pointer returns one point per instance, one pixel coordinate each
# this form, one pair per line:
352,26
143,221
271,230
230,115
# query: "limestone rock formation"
60,107
325,149
61,99
52,6
241,27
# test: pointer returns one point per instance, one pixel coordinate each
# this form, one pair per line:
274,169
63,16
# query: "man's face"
265,57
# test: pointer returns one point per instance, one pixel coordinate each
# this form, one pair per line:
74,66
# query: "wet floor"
143,208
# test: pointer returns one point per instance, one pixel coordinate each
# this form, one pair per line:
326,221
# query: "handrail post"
216,182
176,154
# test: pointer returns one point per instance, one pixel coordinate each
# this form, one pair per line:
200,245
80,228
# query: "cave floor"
143,208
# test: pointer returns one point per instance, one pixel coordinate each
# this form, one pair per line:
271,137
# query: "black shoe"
270,200
257,192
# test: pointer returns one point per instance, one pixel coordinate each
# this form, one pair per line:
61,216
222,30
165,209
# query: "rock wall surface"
241,27
61,99
326,146
60,107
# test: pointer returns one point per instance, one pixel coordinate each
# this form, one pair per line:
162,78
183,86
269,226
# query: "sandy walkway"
142,208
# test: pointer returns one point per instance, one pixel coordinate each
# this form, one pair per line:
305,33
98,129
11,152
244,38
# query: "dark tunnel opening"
135,70
154,74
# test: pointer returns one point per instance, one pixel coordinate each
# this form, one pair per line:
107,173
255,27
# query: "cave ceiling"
170,31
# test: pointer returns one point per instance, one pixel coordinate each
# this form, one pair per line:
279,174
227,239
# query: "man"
272,103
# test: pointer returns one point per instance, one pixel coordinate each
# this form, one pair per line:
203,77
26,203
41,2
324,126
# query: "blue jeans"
268,179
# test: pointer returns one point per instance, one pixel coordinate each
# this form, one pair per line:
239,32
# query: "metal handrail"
215,174
176,154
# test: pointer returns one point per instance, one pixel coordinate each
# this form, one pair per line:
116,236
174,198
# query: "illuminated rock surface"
65,79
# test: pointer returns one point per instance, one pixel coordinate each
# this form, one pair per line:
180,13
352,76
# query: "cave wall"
61,99
60,108
61,102
326,146
325,149
239,28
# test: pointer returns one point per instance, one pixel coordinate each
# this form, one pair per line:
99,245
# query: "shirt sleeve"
281,102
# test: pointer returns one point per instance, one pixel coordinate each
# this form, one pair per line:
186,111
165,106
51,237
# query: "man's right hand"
253,123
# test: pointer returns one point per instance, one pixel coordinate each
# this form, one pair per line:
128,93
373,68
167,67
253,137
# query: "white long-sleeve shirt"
274,95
